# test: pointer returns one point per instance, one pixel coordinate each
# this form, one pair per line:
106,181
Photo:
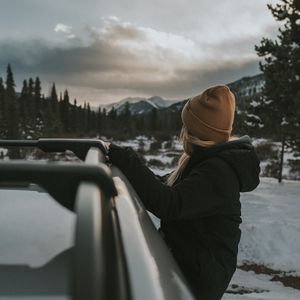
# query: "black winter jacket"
201,213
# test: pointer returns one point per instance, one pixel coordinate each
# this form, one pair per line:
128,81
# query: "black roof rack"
79,147
59,179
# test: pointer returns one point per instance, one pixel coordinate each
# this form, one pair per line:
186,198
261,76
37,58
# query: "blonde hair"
188,142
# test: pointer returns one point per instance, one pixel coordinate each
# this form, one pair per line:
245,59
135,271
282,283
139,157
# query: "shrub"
294,165
168,144
267,151
155,146
156,163
163,136
141,151
271,169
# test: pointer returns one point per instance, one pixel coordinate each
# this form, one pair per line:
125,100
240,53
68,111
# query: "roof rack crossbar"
60,180
79,147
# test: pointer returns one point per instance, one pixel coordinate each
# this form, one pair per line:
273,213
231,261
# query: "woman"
198,203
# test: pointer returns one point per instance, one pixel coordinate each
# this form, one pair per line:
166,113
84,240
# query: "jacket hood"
240,155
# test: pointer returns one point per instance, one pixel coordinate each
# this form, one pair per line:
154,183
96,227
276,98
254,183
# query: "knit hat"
209,116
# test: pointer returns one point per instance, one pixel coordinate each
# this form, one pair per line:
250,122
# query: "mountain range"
140,105
244,87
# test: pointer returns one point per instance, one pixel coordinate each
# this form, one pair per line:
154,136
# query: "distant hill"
247,86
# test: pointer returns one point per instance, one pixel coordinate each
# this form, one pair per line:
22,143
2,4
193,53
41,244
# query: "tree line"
29,114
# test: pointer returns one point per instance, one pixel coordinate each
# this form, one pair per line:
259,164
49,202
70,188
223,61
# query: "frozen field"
270,237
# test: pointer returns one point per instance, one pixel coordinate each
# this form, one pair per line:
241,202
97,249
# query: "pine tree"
10,99
53,99
24,106
99,120
55,106
10,83
65,104
103,121
2,109
37,95
24,91
12,111
124,120
112,117
280,103
81,118
74,117
89,117
153,119
49,120
129,120
31,103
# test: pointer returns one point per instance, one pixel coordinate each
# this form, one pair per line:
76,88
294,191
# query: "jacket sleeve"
196,195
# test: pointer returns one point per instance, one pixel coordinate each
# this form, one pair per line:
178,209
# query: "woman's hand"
106,149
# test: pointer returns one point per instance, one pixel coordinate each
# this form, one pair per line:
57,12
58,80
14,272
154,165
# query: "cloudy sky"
103,51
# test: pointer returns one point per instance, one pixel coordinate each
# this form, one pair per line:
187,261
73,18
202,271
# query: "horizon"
114,53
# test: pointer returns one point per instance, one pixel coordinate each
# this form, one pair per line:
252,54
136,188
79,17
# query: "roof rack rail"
59,179
79,147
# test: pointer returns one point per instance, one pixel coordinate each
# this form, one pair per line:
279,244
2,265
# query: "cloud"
62,28
71,36
120,59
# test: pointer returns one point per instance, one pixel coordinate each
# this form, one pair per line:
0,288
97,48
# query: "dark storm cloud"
100,55
35,56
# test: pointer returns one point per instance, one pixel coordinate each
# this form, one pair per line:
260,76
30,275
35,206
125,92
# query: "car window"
33,228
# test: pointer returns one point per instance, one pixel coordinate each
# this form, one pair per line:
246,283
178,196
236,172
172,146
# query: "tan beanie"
209,116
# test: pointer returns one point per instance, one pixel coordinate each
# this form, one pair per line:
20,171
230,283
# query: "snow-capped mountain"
160,102
140,105
243,88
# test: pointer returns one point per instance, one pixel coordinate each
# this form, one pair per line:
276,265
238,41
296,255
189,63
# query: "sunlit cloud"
62,28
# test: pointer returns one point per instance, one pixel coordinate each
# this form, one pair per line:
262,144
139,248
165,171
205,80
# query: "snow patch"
259,287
